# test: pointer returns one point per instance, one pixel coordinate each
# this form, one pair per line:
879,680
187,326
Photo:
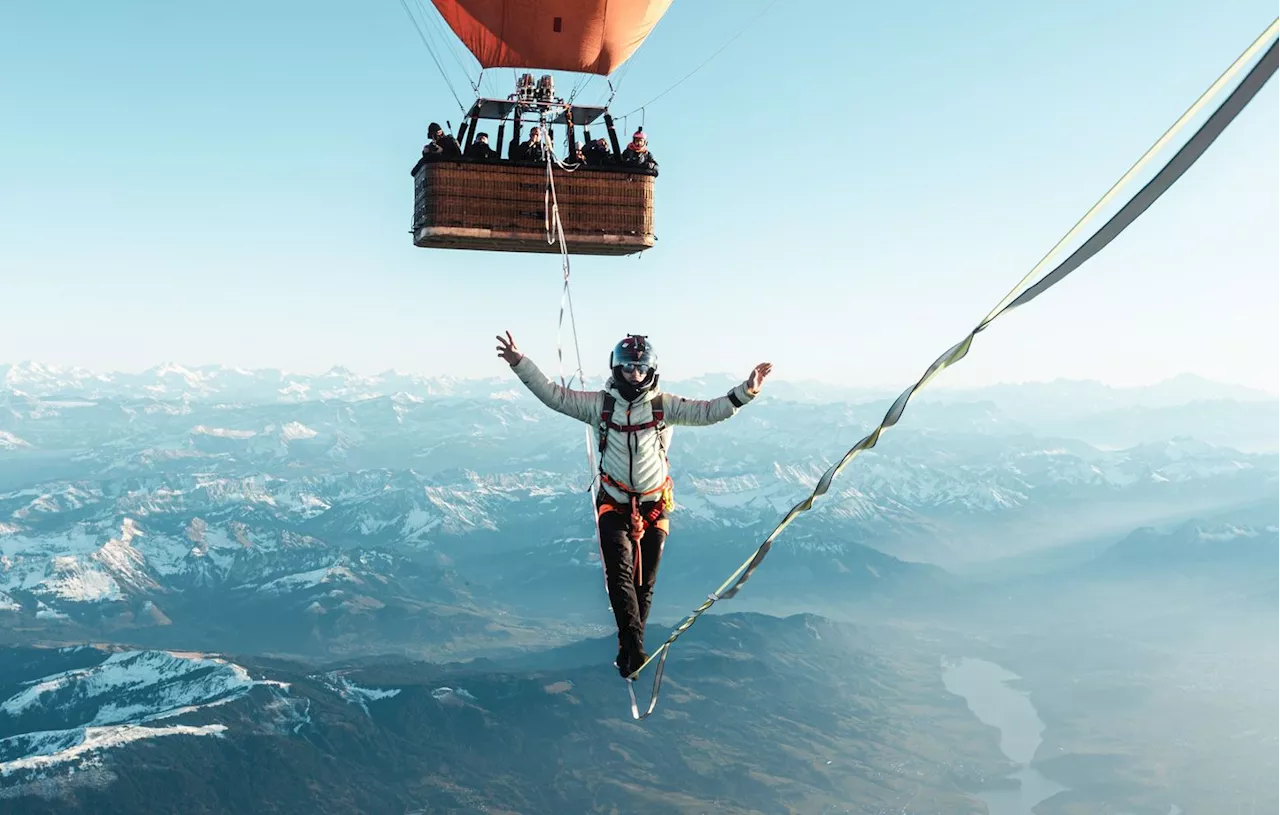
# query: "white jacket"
633,458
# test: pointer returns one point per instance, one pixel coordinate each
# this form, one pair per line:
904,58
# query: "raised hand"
507,349
756,379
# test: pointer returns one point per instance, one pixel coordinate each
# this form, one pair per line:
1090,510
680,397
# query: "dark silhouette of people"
597,152
532,150
480,148
440,145
593,153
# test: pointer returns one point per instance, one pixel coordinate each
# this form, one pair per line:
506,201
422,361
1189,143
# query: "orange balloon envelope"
586,36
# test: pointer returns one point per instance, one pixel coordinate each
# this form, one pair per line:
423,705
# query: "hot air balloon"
502,202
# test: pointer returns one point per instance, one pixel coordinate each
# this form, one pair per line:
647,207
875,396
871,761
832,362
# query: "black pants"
630,597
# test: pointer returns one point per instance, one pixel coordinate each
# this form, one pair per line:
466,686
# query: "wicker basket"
501,206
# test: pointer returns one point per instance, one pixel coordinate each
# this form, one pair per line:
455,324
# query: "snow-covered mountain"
358,518
1059,399
218,383
68,719
98,539
1236,547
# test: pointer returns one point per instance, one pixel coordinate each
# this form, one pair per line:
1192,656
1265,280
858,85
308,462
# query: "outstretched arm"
581,405
681,411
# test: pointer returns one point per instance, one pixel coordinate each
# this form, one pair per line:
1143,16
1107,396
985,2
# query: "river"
983,686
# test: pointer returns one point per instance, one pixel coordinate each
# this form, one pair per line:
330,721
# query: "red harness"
639,521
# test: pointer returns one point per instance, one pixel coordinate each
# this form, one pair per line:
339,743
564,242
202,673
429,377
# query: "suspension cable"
422,36
703,64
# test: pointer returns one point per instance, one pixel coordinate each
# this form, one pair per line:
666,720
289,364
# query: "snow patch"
356,694
9,441
294,431
201,430
109,704
43,612
1226,533
73,579
51,748
177,680
333,573
452,695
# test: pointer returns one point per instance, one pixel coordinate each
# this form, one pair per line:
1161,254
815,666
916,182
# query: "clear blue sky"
845,191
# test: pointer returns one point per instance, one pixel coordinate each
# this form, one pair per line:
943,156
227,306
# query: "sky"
846,189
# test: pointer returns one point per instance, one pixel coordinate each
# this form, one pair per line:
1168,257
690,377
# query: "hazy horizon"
548,366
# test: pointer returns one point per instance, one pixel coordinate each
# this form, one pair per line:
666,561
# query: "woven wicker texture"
606,207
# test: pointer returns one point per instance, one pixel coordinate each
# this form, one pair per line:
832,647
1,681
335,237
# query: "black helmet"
634,350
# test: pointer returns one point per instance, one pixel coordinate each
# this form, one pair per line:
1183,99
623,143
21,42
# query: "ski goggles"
634,367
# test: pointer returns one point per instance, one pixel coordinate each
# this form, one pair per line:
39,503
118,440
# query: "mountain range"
759,714
228,590
455,520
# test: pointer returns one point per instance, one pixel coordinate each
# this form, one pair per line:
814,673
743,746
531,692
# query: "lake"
993,702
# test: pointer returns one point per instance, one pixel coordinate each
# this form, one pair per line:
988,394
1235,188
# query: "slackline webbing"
1139,203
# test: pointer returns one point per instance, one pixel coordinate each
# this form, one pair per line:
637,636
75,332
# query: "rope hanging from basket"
555,234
